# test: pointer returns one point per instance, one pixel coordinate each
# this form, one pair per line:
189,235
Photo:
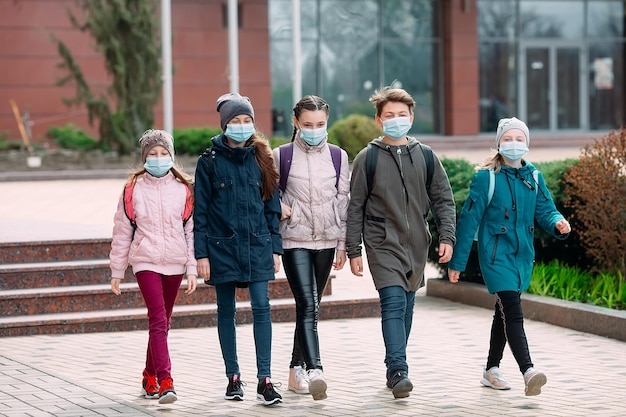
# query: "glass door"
551,86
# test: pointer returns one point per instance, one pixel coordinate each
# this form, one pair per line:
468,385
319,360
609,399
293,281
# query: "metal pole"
233,45
166,57
297,51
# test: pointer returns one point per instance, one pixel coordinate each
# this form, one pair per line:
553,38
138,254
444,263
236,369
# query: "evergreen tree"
126,34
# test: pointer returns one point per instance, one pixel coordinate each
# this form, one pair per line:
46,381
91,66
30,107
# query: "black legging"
508,325
307,271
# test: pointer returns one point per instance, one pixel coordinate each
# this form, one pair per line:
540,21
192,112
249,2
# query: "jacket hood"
236,154
411,143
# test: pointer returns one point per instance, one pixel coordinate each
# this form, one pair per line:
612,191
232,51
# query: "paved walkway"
99,374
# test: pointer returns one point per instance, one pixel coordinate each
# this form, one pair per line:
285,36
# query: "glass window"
346,55
498,83
606,85
414,67
497,19
551,19
408,19
605,19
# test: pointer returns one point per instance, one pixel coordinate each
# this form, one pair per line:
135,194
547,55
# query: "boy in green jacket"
390,218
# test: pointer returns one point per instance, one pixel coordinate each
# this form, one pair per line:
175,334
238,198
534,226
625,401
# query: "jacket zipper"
406,208
495,246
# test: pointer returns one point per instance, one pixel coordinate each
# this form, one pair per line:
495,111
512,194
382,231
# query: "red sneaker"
149,386
167,394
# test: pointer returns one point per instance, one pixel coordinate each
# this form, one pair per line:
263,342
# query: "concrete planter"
569,314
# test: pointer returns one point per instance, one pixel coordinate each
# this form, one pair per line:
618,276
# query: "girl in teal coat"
505,223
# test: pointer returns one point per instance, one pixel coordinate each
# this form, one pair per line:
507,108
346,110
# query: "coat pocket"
497,232
223,256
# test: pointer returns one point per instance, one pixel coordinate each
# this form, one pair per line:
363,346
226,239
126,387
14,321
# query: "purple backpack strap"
286,154
335,154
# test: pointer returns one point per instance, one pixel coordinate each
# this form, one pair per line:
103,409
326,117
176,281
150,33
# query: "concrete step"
54,250
82,299
56,274
184,316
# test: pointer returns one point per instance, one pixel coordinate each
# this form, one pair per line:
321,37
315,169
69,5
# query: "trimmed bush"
193,140
71,137
353,133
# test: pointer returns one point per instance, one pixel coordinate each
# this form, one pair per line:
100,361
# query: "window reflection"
551,19
352,47
605,19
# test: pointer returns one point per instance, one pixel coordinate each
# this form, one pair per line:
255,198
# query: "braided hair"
308,103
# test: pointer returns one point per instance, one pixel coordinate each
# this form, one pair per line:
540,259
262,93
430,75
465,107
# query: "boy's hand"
285,211
356,266
445,253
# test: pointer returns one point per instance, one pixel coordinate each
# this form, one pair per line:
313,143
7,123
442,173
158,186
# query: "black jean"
508,325
307,271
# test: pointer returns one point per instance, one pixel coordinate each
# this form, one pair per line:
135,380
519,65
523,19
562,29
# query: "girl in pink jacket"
152,234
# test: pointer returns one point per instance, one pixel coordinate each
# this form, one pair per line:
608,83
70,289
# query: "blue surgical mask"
313,136
158,166
397,128
513,150
239,132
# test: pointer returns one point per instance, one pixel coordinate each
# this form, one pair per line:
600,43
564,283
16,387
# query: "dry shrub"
596,190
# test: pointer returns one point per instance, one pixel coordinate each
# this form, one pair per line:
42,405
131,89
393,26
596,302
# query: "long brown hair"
265,159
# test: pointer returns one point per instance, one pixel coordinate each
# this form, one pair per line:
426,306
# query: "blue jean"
262,326
159,293
396,306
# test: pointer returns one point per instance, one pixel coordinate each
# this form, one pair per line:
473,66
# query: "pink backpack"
130,211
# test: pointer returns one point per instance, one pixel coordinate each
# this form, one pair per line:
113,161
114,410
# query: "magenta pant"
159,293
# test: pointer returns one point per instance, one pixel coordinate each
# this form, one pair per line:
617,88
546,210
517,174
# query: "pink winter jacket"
318,209
160,244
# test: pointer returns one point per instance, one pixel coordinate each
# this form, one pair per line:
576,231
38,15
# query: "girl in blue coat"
237,242
506,223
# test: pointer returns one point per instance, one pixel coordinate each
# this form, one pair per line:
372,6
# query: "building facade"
558,64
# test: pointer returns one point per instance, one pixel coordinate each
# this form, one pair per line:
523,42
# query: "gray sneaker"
493,378
534,380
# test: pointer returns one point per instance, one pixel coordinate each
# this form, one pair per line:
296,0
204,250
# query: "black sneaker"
400,384
265,392
234,390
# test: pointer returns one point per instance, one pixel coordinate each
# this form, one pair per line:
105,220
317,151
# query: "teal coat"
506,227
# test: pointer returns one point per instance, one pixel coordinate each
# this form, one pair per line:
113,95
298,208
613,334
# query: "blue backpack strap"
335,154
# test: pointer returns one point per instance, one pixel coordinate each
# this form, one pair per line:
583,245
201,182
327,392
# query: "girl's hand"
563,227
340,259
192,283
454,275
204,269
276,263
285,211
115,286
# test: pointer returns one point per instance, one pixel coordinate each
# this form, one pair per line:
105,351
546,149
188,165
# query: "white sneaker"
493,378
298,381
317,384
534,380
